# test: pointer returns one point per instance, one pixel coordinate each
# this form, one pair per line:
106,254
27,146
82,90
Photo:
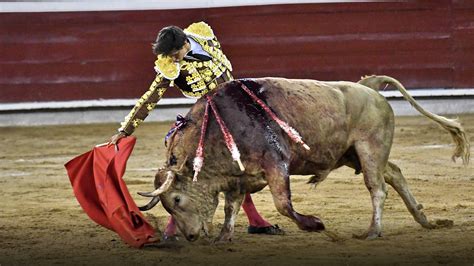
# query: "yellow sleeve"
145,104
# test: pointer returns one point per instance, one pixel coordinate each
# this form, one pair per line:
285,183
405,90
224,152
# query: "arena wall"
51,57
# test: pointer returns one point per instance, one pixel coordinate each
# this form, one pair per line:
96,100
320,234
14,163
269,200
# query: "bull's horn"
150,204
165,186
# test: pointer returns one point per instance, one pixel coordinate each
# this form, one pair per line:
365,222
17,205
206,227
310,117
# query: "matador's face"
178,55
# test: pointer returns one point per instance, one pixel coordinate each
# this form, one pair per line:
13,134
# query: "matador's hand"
115,138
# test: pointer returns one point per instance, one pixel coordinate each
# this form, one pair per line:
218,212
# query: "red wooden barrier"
91,55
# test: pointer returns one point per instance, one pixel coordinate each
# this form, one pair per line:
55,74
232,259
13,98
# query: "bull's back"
310,106
362,101
315,109
326,114
331,105
329,115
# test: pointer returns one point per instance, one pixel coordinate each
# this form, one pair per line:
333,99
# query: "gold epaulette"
200,30
166,66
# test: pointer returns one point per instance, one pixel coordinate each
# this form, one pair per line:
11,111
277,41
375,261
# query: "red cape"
96,178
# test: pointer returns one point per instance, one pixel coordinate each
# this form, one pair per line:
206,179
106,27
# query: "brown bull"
343,123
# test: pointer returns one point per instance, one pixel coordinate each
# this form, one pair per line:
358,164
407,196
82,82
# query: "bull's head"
192,204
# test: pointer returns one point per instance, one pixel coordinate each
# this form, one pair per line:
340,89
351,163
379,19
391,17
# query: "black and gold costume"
193,76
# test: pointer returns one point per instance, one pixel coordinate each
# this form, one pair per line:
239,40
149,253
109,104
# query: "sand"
41,222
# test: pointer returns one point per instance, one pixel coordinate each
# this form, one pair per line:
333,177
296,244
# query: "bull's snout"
192,237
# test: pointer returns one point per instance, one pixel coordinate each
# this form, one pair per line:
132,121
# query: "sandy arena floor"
41,222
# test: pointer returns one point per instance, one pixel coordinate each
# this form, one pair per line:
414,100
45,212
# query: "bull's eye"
177,199
172,160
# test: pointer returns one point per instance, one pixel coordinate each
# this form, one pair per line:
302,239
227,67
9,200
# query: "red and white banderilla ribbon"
229,140
292,133
199,159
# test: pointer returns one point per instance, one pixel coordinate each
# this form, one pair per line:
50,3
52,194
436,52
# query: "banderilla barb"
229,140
291,132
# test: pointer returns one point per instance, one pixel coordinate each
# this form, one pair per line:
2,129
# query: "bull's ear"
158,182
160,177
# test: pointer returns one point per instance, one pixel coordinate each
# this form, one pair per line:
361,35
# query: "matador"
191,60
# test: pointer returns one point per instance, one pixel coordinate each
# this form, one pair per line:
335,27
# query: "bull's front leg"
233,201
279,183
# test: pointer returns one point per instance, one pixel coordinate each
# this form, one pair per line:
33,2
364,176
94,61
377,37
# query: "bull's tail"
451,125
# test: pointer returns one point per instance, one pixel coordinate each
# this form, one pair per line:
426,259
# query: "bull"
344,123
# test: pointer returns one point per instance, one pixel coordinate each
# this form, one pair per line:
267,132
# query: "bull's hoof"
310,223
223,239
428,225
269,230
373,236
333,236
443,223
367,236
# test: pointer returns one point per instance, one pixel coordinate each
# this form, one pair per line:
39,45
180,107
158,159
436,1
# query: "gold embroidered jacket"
193,77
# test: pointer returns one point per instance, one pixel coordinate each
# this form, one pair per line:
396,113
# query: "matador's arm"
145,104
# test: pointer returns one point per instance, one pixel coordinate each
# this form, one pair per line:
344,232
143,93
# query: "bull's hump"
291,83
